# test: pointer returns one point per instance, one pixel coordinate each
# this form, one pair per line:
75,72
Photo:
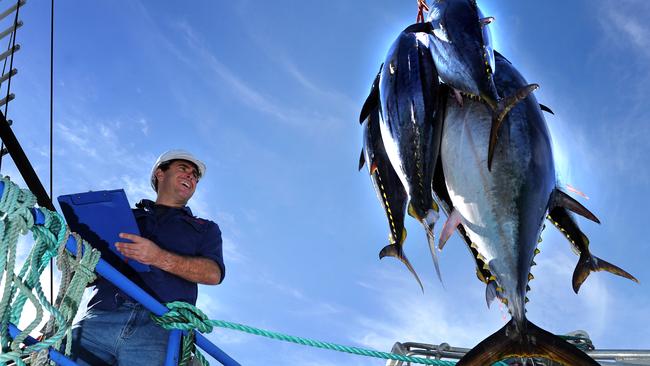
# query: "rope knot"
87,271
183,316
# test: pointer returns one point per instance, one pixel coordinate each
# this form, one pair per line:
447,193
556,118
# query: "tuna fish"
408,91
389,189
503,211
461,46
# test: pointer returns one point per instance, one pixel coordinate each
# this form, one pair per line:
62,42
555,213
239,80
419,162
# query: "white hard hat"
176,155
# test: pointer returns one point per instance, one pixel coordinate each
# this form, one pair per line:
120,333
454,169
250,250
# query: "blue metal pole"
213,350
173,347
55,356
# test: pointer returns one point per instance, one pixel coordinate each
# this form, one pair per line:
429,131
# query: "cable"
52,134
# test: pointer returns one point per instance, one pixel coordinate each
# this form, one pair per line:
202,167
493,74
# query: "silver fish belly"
502,210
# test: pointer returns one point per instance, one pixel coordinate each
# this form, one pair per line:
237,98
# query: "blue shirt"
175,230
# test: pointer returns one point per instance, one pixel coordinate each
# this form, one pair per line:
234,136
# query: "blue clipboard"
99,217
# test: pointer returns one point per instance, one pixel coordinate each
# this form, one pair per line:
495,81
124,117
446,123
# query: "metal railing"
445,351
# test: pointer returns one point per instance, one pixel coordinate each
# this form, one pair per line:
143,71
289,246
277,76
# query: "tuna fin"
396,251
490,292
590,263
362,160
486,20
449,227
370,104
480,275
432,247
530,341
561,199
372,101
499,113
411,211
459,97
373,167
496,53
428,222
545,108
576,191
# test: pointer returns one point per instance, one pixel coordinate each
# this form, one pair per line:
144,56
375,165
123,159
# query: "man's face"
178,183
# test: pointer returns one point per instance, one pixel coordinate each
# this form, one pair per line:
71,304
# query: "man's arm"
194,269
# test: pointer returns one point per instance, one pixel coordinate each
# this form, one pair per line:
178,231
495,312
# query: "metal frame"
445,351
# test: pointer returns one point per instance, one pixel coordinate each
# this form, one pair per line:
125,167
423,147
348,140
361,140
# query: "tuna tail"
562,219
499,111
530,341
396,250
590,263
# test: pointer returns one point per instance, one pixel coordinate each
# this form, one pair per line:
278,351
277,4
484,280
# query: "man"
181,250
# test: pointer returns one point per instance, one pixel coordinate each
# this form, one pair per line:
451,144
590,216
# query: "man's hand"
194,269
142,249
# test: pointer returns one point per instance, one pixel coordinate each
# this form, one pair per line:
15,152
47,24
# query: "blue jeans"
125,336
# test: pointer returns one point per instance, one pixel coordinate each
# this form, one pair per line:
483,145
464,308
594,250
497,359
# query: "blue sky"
268,94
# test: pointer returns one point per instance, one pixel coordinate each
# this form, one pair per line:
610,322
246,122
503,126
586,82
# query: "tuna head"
461,46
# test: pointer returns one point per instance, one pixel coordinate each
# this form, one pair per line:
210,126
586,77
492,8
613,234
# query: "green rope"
50,238
187,317
330,346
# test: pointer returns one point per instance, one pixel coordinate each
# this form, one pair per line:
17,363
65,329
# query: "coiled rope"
16,219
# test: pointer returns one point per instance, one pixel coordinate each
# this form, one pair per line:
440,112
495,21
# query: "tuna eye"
441,33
